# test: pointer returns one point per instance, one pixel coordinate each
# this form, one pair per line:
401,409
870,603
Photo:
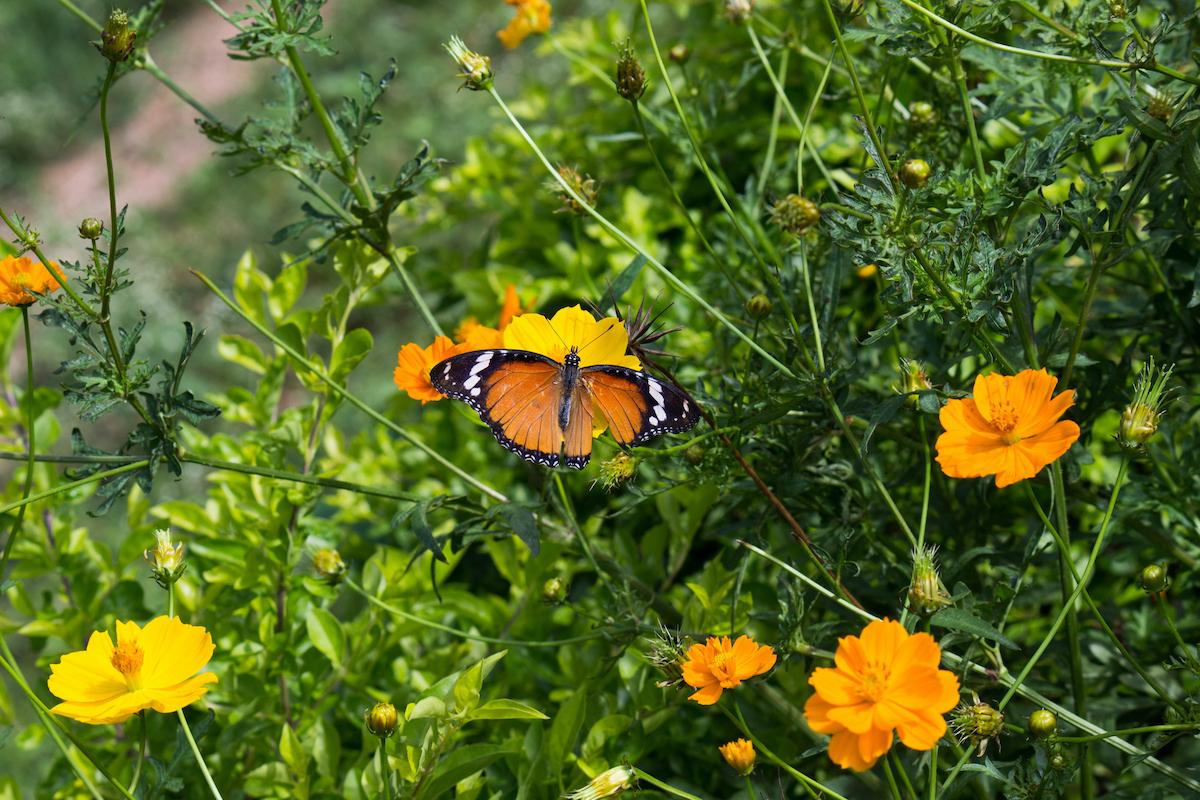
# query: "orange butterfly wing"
522,400
620,400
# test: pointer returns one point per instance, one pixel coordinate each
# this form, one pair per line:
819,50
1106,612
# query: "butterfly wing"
637,406
516,392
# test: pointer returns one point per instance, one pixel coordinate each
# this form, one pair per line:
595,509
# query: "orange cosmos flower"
1010,428
885,680
413,364
717,665
533,16
19,277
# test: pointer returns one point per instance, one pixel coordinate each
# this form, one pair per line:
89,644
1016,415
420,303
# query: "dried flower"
609,783
795,214
719,664
153,667
1010,428
584,187
885,680
926,593
474,69
740,755
1140,419
631,78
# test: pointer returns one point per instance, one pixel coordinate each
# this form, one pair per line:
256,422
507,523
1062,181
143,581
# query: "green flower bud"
680,53
617,470
925,592
329,566
554,591
977,723
382,720
915,173
922,115
91,229
759,306
1042,724
795,214
1153,578
695,454
116,40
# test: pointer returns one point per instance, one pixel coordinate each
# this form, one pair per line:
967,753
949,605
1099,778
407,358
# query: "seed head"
666,653
1160,107
617,470
631,78
977,723
926,594
474,69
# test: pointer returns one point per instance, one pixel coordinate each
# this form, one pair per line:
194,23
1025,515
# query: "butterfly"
543,410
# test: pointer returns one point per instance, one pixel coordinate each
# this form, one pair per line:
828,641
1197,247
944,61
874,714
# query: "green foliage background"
1069,243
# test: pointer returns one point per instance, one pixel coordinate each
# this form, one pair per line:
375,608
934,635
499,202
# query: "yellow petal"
174,651
534,333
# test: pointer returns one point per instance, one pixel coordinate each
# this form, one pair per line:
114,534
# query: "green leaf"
568,722
326,634
1148,125
250,287
460,764
426,708
243,352
956,619
289,285
467,687
521,520
505,709
350,352
293,752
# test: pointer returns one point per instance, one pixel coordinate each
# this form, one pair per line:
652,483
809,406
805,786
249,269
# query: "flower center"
1005,419
722,659
875,682
127,659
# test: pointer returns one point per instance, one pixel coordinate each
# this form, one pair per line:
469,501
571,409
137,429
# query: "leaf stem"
31,439
805,781
187,732
666,787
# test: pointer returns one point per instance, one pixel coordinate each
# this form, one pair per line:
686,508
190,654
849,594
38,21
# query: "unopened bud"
631,78
1154,578
977,723
915,173
329,565
680,53
759,306
116,40
1042,724
609,783
926,594
740,755
382,720
738,11
695,454
922,114
91,229
795,214
554,591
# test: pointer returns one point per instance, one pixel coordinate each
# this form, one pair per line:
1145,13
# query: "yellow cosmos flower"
153,667
885,680
533,16
597,341
1010,428
19,277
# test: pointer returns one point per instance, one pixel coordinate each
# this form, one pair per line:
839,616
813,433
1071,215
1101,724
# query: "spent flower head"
117,38
795,214
926,593
667,652
1141,417
585,187
165,559
978,723
474,69
609,783
631,78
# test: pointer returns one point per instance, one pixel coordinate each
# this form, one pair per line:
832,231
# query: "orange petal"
949,696
707,695
963,416
844,751
921,731
816,712
882,638
990,391
1029,391
834,686
850,656
858,718
873,744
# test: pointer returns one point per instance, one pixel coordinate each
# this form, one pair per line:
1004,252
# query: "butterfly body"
545,410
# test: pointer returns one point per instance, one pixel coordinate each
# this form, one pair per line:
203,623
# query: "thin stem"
750,795
353,399
1169,617
666,787
475,637
1128,732
297,477
740,721
66,487
30,436
869,123
141,754
411,288
114,228
956,71
621,236
601,575
385,769
891,780
812,309
83,15
149,65
187,732
933,782
909,791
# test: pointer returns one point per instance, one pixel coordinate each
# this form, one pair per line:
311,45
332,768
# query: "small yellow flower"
719,664
740,755
867,271
598,341
153,667
329,565
20,277
533,16
609,783
165,559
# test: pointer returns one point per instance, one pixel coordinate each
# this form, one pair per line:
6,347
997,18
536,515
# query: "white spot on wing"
470,382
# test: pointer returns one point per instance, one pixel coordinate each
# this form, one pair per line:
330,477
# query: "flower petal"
882,638
873,744
989,392
1029,391
816,712
707,695
534,333
171,699
843,751
858,718
850,656
921,731
174,651
835,687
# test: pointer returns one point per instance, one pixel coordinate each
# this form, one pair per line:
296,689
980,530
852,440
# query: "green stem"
1167,615
891,780
933,781
149,65
909,791
750,795
411,288
83,15
297,477
353,399
141,755
66,487
666,787
601,575
385,769
475,637
812,309
621,236
187,732
114,228
868,121
31,437
1128,732
960,79
740,721
9,662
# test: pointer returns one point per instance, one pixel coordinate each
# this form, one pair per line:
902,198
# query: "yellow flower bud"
609,783
329,565
382,720
554,591
740,755
165,559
